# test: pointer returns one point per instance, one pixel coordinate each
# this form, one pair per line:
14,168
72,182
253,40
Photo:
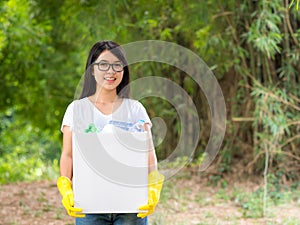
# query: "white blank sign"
110,171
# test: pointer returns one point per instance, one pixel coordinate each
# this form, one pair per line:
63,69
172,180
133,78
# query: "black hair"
89,83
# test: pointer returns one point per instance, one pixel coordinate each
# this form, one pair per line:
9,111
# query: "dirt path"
32,203
186,202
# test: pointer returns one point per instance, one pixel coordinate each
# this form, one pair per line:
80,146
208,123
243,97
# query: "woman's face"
109,72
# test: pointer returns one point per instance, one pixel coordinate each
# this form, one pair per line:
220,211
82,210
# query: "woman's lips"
110,78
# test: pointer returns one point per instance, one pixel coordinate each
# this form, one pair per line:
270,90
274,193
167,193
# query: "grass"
291,221
183,204
185,200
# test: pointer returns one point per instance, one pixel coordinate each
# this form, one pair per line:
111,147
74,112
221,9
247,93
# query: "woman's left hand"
155,183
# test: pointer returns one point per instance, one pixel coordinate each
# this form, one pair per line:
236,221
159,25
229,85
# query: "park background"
252,47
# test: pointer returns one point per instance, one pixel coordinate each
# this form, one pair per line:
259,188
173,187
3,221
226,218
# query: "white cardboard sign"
110,171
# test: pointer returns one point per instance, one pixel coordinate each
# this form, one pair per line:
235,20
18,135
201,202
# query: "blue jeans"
112,219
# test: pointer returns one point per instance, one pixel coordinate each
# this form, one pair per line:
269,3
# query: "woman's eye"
103,64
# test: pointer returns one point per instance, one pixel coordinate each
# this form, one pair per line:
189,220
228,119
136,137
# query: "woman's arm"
152,160
155,180
66,164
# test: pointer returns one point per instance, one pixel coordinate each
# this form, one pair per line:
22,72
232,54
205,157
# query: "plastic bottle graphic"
120,124
137,127
91,129
131,127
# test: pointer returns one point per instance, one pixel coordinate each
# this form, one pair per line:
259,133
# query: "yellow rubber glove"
65,188
155,183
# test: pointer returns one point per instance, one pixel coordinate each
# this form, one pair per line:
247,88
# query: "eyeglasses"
104,66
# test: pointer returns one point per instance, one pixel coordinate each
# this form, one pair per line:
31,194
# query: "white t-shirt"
81,113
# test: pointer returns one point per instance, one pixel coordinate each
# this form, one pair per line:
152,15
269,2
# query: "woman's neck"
102,96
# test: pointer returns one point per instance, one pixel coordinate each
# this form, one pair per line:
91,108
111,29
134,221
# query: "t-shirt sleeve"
68,117
141,113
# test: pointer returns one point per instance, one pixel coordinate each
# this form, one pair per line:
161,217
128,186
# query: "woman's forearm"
66,161
152,160
66,166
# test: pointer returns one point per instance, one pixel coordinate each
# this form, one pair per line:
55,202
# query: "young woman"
106,91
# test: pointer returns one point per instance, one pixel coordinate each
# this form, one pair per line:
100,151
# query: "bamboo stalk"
242,119
266,181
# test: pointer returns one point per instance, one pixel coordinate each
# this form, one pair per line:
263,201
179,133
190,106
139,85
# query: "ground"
186,200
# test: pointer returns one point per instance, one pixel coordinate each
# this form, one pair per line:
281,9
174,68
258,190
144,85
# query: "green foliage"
252,204
292,2
252,46
15,168
276,114
259,41
26,153
24,41
264,33
290,221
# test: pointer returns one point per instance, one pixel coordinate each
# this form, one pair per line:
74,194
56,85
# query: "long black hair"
89,83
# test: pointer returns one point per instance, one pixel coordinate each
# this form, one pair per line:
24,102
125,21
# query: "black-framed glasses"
104,66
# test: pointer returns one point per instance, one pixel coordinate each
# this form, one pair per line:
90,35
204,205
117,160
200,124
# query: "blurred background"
251,46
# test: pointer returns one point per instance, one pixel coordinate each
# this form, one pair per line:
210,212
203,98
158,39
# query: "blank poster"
110,171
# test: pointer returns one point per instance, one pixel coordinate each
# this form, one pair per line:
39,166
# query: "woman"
106,89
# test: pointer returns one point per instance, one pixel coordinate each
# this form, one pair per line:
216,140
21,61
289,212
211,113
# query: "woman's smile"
110,78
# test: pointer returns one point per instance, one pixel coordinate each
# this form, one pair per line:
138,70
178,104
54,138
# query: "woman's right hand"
64,185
